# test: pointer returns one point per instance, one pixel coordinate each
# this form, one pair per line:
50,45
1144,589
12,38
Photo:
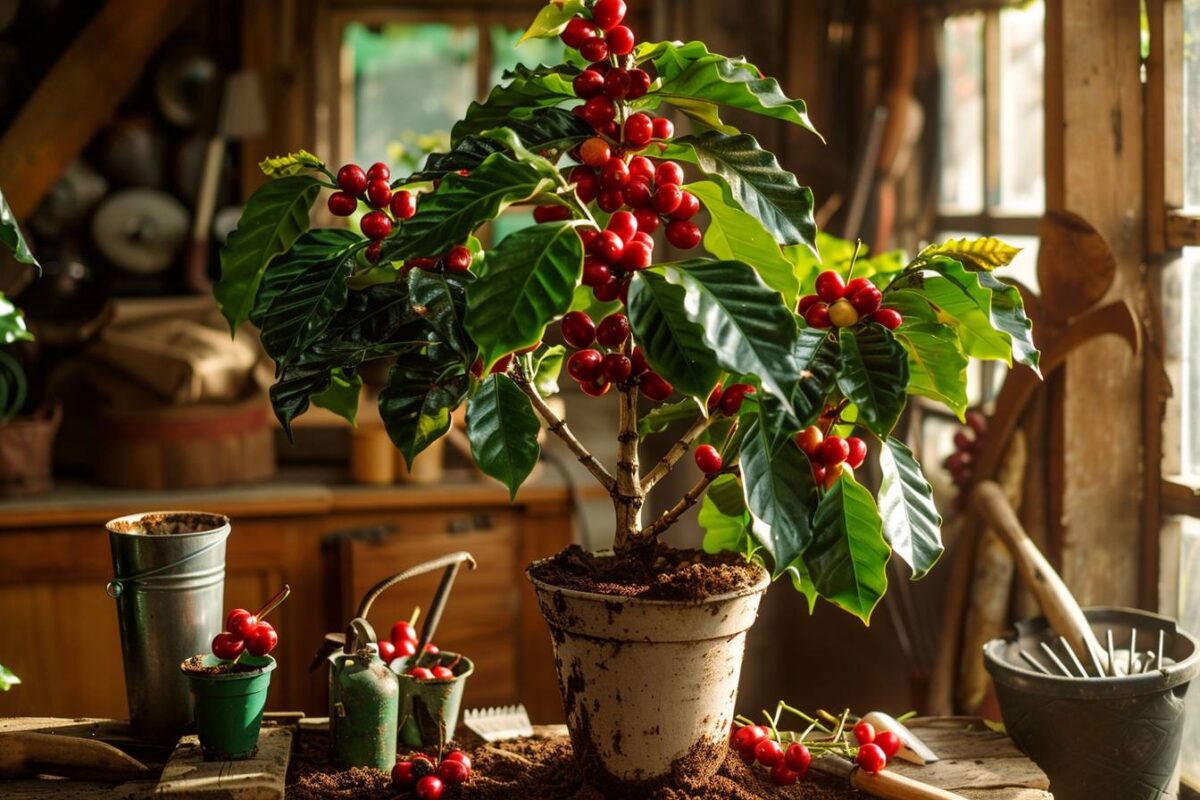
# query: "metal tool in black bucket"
1103,723
371,703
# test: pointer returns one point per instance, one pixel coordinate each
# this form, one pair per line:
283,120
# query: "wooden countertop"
293,492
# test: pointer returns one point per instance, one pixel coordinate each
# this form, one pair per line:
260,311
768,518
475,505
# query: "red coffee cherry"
577,32
782,775
797,758
817,316
655,387
617,368
352,179
616,83
639,79
578,330
865,301
596,272
342,204
668,172
599,110
768,752
647,219
594,50
663,128
637,255
608,292
858,452
731,400
404,204
595,152
688,207
609,246
640,367
806,302
378,171
637,192
834,450
614,174
830,286
376,225
588,84
379,193
683,234
871,758
709,461
458,259
372,252
639,129
587,183
610,200
888,742
623,224
888,318
551,213
585,365
641,167
667,198
620,43
864,732
607,14
613,330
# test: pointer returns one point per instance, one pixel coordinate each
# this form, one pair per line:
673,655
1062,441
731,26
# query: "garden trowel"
912,749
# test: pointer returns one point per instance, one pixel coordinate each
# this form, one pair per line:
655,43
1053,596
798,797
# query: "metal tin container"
169,587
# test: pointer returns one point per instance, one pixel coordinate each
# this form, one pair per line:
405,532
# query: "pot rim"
436,681
109,526
229,677
758,587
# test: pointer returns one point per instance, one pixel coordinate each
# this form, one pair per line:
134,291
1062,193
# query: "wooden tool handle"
1058,604
24,754
890,785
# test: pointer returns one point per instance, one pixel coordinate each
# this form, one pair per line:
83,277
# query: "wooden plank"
80,94
1183,230
188,776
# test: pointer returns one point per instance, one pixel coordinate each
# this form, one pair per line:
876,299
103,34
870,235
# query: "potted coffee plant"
785,368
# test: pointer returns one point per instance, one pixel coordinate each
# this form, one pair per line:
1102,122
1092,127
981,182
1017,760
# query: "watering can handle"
450,561
1056,600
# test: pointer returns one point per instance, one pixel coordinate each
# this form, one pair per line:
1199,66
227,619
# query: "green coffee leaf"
503,429
985,253
12,323
911,523
552,19
291,164
780,494
417,400
847,559
670,337
342,395
547,368
11,238
663,416
724,518
874,375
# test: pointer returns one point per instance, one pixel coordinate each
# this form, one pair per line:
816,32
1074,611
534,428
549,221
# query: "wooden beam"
1094,169
80,94
1182,230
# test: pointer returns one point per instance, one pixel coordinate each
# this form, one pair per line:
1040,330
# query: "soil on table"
668,574
535,769
196,666
166,524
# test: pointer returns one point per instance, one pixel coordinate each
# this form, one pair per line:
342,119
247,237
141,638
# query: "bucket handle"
451,561
116,587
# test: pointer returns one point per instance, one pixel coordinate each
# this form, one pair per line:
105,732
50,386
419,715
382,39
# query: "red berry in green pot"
817,316
830,286
616,83
595,152
578,330
352,179
227,646
864,732
623,224
404,204
607,14
647,219
609,246
442,673
888,318
834,450
342,204
637,193
655,387
797,758
240,622
376,225
431,648
866,301
402,775
683,234
408,647
585,365
613,330
809,440
379,193
594,50
453,772
387,651
599,110
668,172
637,255
708,459
667,198
858,451
596,272
620,43
688,207
262,639
842,314
403,630
596,388
783,775
421,673
888,742
458,259
430,788
731,400
614,174
871,758
588,84
639,129
639,79
768,752
617,368
577,32
663,128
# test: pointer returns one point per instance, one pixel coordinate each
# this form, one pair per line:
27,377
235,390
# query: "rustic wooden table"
978,763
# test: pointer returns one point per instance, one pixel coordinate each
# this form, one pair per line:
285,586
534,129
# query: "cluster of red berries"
596,372
727,401
754,743
875,750
373,188
966,445
428,780
402,642
839,304
830,455
244,632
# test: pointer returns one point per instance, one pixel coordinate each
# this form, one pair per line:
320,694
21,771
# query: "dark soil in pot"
668,574
534,769
196,666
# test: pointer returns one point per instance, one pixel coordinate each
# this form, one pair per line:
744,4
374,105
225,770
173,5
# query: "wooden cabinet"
58,628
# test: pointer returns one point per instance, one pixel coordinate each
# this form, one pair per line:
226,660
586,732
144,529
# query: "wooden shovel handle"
1058,604
890,785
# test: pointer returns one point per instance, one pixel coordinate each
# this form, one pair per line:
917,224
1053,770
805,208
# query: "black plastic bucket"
1099,738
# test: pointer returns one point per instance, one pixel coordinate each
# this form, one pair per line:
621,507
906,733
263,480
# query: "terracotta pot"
647,685
26,448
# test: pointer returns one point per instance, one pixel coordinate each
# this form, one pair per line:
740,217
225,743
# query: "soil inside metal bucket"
168,523
667,574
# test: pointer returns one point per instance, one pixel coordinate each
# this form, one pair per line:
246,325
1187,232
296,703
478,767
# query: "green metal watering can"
364,692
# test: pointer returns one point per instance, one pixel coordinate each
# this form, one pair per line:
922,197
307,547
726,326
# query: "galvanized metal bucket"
169,584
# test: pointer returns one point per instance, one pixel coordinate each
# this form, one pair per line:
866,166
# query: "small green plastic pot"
229,707
429,709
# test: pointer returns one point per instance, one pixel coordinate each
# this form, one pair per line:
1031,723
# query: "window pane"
1181,302
962,115
1022,59
1186,531
1191,103
506,54
410,84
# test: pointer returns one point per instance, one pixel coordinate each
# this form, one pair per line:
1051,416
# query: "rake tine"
1161,638
1132,649
1112,655
1074,658
1055,659
1033,662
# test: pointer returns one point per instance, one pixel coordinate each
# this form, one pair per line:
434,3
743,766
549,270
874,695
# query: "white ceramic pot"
648,686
